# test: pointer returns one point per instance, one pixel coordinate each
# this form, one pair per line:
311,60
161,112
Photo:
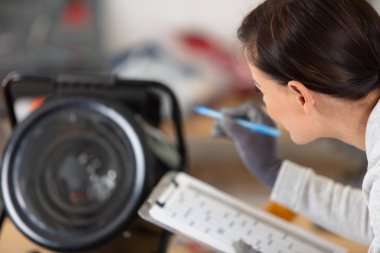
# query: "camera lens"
74,170
78,169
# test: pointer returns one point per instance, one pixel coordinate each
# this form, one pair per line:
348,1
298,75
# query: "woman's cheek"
272,113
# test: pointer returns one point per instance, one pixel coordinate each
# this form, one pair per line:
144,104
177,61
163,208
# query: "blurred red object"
232,62
76,14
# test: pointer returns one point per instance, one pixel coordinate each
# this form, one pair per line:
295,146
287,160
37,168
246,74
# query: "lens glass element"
75,170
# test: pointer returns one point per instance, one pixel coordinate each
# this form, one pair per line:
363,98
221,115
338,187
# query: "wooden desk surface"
12,241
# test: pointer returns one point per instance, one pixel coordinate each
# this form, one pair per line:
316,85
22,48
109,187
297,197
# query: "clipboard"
185,205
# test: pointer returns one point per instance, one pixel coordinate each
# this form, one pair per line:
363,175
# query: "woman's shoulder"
372,136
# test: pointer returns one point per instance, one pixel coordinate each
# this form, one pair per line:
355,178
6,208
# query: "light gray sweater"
346,211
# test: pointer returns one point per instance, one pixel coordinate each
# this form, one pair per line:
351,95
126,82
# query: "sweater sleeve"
374,210
338,208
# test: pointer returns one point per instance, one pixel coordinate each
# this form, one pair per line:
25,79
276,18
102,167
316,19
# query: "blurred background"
183,43
188,45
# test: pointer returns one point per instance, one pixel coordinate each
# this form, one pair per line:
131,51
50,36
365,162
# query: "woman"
317,64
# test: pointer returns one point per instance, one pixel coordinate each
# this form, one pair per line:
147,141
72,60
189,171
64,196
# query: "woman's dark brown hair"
331,46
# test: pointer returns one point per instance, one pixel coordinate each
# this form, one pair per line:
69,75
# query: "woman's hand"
258,151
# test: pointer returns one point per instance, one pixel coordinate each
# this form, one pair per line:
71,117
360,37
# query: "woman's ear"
304,96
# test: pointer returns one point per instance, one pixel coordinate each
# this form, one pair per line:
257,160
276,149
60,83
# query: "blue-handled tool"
258,128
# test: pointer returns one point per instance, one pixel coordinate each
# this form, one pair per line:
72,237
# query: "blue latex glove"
258,151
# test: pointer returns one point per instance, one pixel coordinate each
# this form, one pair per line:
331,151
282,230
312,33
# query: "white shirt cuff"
290,184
